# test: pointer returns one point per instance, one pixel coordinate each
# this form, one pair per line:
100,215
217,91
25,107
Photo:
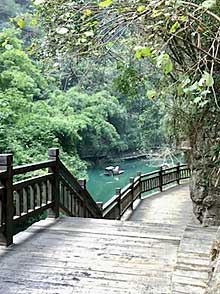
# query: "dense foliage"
181,40
88,120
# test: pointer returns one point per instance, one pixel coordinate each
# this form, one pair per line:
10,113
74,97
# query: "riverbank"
124,154
114,158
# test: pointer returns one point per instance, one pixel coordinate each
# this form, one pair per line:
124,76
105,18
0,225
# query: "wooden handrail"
58,189
55,190
76,190
142,184
33,167
28,182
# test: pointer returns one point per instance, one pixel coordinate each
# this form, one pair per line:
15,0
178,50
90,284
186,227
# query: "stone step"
192,271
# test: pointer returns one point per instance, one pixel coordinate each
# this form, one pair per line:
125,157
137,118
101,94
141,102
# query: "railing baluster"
71,203
25,200
17,203
132,193
37,195
161,179
31,192
46,192
178,173
49,191
118,193
140,184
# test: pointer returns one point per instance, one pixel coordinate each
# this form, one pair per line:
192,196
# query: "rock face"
205,185
206,201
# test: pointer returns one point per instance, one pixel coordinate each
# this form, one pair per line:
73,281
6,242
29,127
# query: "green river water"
102,187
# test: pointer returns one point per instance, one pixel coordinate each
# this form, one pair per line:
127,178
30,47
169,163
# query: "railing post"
139,185
161,179
132,192
53,154
100,206
118,193
82,183
178,173
6,161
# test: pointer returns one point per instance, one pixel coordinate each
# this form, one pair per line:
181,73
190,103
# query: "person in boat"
116,170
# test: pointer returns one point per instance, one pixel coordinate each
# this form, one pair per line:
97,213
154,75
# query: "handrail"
143,183
54,190
72,183
33,167
57,189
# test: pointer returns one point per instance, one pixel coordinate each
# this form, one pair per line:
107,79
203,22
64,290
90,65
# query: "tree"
181,39
26,126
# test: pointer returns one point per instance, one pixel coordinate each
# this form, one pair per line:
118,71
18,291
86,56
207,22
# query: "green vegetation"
97,78
90,119
178,41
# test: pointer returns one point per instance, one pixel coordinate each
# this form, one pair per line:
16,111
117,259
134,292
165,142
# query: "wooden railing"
53,190
143,183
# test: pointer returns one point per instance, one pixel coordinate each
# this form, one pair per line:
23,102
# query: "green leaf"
21,23
156,13
138,54
146,51
167,66
140,8
33,21
87,12
143,52
105,3
165,63
180,90
174,27
183,18
209,81
151,94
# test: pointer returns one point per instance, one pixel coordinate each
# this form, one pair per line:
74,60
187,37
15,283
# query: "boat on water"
113,171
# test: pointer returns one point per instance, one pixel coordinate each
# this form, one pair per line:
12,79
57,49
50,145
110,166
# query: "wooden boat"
109,171
113,171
